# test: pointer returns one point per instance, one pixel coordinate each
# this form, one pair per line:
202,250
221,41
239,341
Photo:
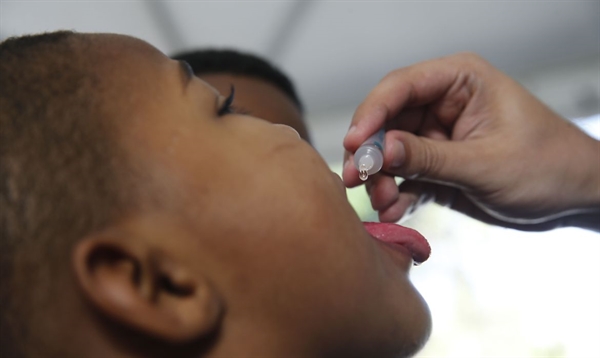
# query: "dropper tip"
363,174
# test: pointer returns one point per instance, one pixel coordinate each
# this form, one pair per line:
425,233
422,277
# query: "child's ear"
150,293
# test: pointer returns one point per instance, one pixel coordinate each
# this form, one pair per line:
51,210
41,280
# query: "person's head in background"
141,217
261,89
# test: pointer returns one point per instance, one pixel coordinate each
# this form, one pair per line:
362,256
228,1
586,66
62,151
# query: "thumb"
444,161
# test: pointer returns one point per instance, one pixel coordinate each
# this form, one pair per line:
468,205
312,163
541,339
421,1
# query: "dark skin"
247,256
260,99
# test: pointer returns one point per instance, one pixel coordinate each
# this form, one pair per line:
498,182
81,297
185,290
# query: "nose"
288,128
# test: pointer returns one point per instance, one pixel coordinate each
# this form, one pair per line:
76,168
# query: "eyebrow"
187,73
186,76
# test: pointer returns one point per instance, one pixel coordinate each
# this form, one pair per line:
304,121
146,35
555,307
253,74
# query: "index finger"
403,88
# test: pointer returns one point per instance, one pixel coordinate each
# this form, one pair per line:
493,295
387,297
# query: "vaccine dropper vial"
368,159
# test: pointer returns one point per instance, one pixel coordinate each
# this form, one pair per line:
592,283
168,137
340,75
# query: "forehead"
119,46
123,58
130,69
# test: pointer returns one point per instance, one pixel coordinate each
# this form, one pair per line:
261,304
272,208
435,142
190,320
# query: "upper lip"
340,183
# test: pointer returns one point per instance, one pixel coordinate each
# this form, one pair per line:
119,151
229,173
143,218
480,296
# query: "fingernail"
408,213
347,163
412,208
398,152
351,130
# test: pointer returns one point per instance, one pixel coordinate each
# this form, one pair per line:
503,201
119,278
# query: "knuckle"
470,56
472,60
432,161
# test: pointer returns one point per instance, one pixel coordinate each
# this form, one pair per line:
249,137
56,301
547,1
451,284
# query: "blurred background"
493,292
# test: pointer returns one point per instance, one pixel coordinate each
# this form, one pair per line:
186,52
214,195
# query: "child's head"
262,90
144,219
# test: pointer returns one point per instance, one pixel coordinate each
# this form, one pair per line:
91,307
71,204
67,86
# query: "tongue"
409,238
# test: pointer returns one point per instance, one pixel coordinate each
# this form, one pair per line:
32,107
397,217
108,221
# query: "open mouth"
410,239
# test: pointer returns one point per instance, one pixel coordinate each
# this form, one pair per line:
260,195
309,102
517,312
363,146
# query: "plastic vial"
368,159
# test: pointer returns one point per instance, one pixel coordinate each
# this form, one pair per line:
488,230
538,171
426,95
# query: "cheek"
277,223
280,223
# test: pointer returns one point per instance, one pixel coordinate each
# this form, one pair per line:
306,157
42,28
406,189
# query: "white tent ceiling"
336,51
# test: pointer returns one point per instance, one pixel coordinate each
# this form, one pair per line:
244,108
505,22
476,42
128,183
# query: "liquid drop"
363,175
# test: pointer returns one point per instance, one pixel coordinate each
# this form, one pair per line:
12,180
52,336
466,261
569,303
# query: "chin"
414,329
419,336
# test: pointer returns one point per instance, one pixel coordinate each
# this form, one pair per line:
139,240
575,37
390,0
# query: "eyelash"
226,107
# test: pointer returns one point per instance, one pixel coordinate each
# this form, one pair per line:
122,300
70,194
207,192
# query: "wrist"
577,174
590,192
585,212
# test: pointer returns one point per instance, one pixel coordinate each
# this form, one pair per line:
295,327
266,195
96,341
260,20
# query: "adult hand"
466,135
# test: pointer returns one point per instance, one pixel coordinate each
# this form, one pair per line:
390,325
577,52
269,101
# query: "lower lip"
400,254
400,238
399,248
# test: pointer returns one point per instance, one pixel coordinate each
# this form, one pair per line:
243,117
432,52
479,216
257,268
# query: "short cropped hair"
211,61
61,173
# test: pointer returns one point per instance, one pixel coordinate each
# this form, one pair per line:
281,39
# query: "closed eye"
226,107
